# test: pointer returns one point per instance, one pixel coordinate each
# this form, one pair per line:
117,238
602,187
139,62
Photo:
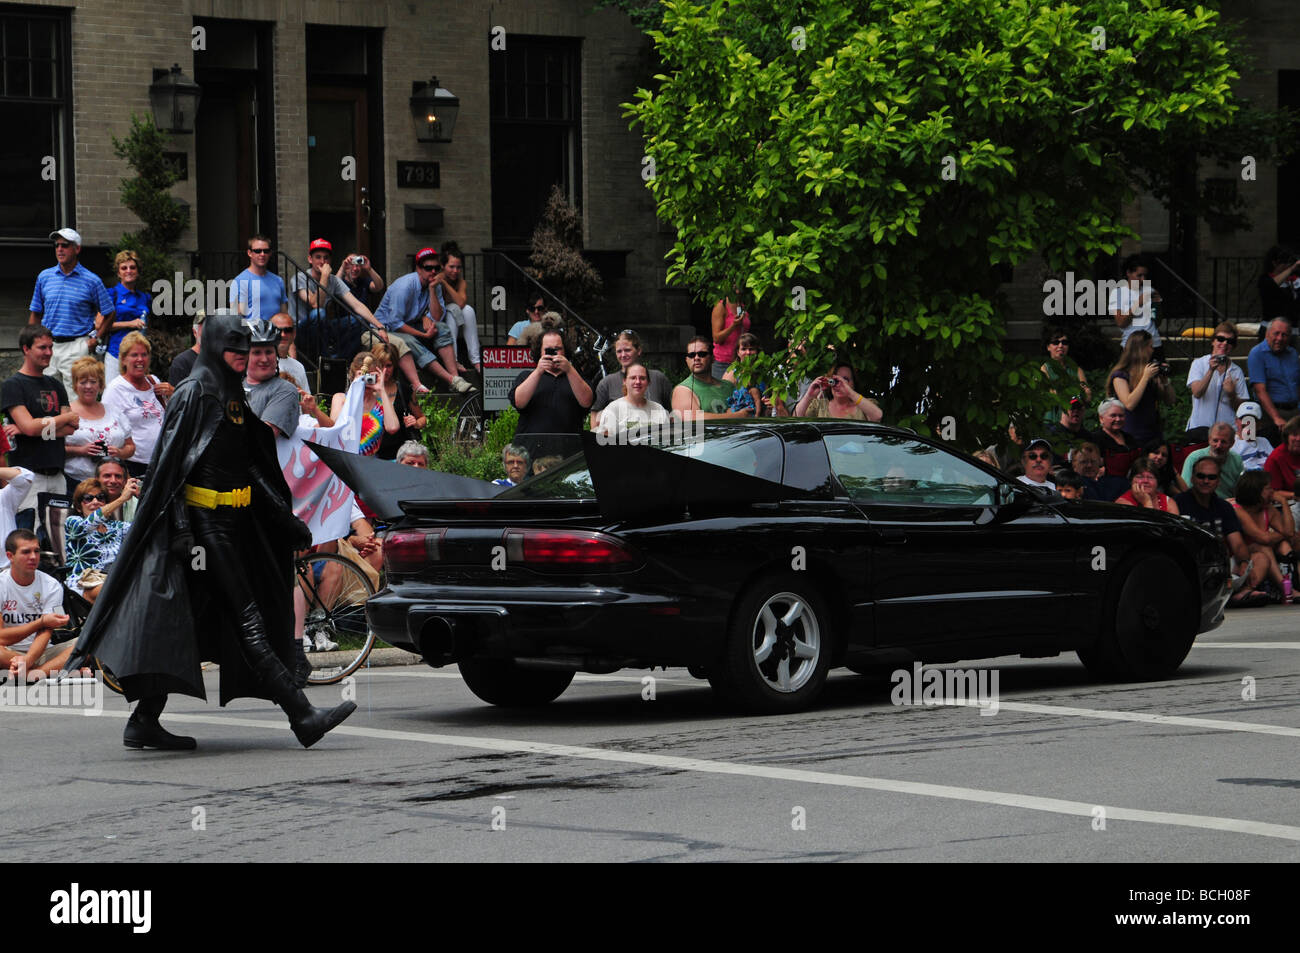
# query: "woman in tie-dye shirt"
378,416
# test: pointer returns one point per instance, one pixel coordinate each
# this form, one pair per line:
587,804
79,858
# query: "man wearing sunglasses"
417,333
72,302
702,396
290,365
1217,384
1037,460
257,291
1202,504
536,308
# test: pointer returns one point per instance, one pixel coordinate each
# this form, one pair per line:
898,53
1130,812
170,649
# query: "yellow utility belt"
210,499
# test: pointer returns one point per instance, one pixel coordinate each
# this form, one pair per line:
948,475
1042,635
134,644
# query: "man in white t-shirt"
1037,460
14,484
31,608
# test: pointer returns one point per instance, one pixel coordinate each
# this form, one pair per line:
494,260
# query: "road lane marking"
1029,802
1182,721
578,677
1246,645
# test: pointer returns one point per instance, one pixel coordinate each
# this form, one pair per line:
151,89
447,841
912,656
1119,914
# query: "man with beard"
206,573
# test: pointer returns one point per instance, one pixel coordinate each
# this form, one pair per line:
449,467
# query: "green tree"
870,169
148,195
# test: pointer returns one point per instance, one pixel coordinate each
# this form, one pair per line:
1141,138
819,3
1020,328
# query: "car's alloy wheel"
501,682
778,649
1151,623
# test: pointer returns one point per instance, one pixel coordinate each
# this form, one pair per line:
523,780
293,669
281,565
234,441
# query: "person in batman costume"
206,573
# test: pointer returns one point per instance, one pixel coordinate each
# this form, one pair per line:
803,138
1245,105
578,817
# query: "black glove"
297,532
282,518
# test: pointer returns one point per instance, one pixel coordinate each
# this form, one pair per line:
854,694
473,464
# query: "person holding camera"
1140,383
378,417
833,396
552,398
1217,384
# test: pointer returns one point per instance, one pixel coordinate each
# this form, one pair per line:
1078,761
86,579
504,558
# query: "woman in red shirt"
1144,489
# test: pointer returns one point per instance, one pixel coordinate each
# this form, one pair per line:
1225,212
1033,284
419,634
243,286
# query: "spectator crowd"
84,412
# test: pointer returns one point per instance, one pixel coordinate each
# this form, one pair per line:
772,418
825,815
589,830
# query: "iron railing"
492,278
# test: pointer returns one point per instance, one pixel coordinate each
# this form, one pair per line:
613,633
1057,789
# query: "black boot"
143,731
308,722
301,666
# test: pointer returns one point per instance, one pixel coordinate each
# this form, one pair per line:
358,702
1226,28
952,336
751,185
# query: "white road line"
1246,645
579,677
672,763
1182,721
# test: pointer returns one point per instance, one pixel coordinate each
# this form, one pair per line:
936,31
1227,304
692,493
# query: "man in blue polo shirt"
404,313
71,301
1274,369
257,292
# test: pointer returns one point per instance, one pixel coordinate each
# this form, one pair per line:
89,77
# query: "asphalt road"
1066,770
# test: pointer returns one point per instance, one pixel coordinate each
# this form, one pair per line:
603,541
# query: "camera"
1164,369
370,380
552,351
1220,360
358,259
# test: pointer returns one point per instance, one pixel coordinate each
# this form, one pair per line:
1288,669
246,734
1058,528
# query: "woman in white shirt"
632,412
100,433
139,398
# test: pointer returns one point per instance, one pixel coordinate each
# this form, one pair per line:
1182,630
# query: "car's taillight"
565,549
406,551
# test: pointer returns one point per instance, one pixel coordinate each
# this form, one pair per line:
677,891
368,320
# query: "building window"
536,104
36,164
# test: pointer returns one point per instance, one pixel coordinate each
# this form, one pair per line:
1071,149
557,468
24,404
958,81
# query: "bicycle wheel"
110,680
470,424
336,591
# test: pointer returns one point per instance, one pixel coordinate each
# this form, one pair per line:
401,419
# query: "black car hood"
631,480
383,484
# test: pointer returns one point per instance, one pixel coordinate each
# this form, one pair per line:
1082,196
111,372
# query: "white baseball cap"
1250,409
67,234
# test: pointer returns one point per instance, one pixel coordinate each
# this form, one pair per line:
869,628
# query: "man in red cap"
308,298
404,313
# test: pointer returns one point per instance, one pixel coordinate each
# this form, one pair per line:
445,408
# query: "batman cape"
159,615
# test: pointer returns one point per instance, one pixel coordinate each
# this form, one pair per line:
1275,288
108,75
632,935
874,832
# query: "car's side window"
882,468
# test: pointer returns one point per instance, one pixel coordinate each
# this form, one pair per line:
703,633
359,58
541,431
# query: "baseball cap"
424,253
68,235
1039,442
1250,409
320,244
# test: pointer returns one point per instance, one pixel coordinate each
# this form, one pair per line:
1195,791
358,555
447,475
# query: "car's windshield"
752,452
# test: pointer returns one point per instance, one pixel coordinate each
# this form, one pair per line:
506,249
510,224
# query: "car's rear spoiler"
632,480
384,484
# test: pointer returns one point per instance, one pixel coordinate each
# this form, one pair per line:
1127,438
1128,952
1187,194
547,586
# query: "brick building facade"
293,89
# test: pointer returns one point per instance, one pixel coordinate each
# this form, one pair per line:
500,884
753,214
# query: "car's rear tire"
778,649
1151,623
501,682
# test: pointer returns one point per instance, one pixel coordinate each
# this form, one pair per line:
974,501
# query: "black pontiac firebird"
772,551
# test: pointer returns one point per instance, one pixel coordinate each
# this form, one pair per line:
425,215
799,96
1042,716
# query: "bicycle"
336,590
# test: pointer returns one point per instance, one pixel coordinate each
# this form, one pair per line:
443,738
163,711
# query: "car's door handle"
890,535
